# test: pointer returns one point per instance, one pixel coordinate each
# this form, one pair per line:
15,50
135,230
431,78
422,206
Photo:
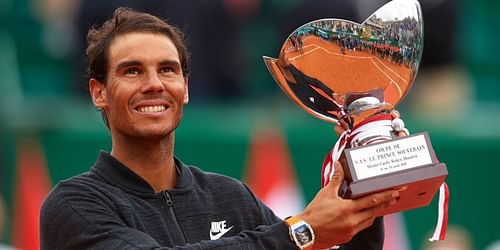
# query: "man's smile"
151,106
151,109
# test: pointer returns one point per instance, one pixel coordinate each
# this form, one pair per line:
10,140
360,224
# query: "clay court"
357,71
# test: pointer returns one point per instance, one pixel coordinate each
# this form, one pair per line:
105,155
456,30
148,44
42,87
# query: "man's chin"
151,134
155,134
148,132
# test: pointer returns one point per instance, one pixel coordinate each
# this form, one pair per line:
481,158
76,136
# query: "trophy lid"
335,67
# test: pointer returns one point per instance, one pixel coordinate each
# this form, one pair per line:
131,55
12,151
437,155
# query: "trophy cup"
354,75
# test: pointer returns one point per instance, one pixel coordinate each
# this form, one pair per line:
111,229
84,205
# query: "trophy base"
417,186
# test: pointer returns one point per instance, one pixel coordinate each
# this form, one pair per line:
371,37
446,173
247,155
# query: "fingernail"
395,194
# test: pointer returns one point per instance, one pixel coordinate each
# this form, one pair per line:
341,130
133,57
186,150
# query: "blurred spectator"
56,17
36,46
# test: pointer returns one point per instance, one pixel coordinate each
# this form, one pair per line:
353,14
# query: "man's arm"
371,237
336,220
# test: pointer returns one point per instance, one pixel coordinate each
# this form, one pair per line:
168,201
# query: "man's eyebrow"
169,63
127,64
130,63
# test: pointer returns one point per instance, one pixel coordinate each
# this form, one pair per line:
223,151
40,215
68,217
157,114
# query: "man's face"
146,88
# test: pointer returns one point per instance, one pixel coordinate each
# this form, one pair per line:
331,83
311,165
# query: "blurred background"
238,121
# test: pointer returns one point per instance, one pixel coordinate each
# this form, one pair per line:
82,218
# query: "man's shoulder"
83,185
78,182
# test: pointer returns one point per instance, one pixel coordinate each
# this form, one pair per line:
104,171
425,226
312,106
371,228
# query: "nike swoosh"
220,234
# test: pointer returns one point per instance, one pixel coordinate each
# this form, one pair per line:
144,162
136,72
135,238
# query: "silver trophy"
354,75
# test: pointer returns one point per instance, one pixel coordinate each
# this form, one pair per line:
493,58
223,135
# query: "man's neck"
151,159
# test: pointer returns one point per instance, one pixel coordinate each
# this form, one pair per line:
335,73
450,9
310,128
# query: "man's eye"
132,71
166,70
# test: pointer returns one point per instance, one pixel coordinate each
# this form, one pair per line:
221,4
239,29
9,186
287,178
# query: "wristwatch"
301,233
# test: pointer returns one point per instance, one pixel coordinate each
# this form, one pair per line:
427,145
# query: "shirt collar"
116,173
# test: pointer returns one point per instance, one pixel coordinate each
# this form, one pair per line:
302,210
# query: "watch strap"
290,220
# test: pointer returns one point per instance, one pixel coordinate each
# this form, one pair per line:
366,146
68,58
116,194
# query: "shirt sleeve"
370,238
73,219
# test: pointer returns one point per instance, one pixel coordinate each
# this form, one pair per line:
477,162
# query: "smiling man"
140,196
142,99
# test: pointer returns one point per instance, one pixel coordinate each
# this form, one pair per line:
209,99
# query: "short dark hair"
124,21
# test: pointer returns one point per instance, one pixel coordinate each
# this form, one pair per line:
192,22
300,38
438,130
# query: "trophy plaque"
354,75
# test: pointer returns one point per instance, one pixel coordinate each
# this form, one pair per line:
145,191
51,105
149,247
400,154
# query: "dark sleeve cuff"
370,238
281,233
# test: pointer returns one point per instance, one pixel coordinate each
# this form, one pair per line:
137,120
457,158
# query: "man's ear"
186,92
98,93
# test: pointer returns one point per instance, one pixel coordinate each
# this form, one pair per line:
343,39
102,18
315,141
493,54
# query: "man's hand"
336,220
398,125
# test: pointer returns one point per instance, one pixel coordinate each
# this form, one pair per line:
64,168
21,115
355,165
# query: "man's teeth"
152,109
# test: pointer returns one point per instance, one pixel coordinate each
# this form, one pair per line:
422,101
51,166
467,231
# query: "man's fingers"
339,129
395,114
398,124
373,212
378,200
365,223
367,216
338,177
403,133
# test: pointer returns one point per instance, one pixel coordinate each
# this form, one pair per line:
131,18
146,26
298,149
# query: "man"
139,196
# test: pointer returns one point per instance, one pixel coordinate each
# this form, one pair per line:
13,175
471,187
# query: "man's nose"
153,83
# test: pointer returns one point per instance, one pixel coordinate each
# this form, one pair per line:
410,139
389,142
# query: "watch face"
302,235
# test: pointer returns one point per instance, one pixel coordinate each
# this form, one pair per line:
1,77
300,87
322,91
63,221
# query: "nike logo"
218,229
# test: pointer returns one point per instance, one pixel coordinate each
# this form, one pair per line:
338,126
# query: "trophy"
354,75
